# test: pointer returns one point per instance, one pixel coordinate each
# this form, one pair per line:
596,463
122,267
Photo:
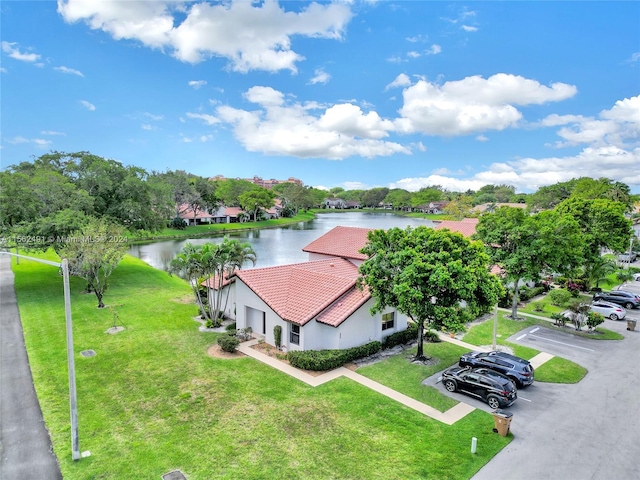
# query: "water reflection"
277,246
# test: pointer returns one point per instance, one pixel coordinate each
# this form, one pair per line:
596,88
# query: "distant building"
268,184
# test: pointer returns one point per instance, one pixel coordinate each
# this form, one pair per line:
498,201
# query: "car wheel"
613,316
493,402
628,305
450,385
515,382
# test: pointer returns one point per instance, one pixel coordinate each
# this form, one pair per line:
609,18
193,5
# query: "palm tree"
188,265
597,270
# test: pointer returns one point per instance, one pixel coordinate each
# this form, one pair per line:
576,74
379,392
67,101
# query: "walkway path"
25,446
449,417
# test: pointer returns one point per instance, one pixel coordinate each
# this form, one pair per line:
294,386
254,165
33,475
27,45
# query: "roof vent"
331,264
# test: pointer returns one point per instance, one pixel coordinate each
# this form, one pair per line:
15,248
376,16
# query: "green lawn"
398,373
152,401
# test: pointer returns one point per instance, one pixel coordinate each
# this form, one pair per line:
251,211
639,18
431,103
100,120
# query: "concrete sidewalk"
449,417
25,447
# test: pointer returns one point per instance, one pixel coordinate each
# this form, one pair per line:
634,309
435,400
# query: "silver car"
608,309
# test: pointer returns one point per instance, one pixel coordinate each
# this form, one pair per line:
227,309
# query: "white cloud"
482,138
153,117
70,71
38,142
473,104
401,80
320,76
52,132
146,126
251,36
435,49
208,119
3,70
633,58
88,105
469,28
196,84
282,128
10,49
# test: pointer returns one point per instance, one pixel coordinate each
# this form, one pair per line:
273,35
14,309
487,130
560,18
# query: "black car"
517,369
626,299
492,387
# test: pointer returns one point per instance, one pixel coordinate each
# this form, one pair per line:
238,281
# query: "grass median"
151,400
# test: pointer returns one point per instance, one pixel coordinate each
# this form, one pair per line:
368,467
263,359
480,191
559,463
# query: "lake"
278,246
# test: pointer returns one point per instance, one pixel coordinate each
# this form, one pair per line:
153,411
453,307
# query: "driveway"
584,431
25,447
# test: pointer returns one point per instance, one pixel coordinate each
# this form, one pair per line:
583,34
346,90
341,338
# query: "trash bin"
631,325
502,420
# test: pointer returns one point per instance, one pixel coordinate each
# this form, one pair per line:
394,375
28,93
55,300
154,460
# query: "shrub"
560,319
231,326
559,297
400,338
228,343
177,223
277,336
431,336
594,319
320,360
538,306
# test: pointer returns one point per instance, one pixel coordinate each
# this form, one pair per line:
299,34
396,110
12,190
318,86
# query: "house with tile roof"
466,226
317,303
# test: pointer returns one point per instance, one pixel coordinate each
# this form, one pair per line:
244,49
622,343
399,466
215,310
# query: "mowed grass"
399,373
152,401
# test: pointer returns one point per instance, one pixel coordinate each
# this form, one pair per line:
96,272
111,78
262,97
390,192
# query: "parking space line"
521,337
535,330
525,399
563,343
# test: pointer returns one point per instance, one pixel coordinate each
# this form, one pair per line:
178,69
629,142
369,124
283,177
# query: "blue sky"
356,94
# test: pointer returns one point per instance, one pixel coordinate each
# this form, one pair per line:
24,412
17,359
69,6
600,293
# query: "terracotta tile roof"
300,292
187,212
212,282
344,306
343,242
466,227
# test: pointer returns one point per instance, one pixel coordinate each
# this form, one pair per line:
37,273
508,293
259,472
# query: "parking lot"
587,430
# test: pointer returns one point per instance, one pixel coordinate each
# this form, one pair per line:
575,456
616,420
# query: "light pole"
73,404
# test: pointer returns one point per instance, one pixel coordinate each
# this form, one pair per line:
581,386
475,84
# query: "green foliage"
401,338
228,343
594,319
431,337
559,297
538,306
177,223
277,335
321,360
426,274
231,327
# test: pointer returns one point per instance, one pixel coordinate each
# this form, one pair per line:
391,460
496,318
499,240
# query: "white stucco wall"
230,301
358,329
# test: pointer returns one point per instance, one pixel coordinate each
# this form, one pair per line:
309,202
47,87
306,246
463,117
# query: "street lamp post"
73,404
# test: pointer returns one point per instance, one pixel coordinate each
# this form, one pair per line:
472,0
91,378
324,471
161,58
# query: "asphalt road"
25,446
590,430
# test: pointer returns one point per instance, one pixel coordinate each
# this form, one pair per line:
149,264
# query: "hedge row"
402,337
321,360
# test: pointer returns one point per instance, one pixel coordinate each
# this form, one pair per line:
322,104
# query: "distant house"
317,303
489,207
437,207
227,214
352,204
334,203
466,226
191,217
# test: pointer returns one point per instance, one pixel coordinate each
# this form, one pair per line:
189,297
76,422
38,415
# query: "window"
294,336
387,320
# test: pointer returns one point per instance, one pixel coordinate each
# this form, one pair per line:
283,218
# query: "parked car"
487,385
627,257
636,277
517,369
608,309
621,297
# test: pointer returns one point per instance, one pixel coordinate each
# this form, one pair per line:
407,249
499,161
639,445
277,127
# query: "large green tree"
526,246
255,200
427,274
